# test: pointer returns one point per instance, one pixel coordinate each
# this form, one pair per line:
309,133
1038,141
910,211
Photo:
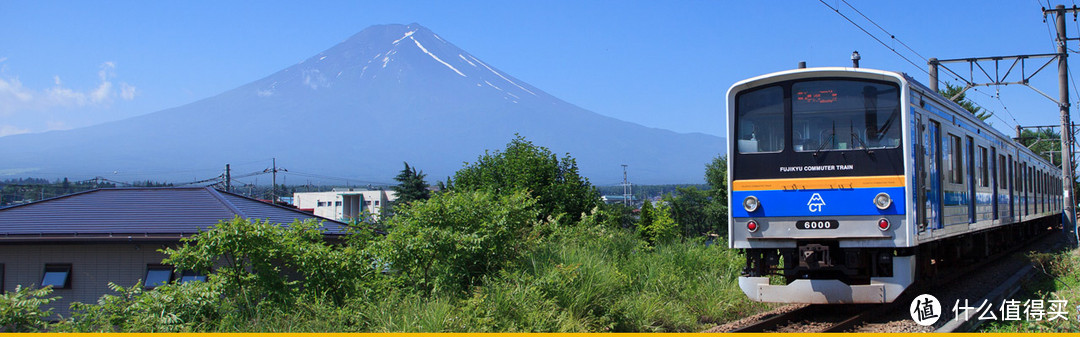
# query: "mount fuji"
389,94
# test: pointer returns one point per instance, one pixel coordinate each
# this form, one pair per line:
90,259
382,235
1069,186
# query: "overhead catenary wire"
837,10
892,36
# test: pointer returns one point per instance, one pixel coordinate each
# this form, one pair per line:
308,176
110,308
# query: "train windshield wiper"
827,141
865,148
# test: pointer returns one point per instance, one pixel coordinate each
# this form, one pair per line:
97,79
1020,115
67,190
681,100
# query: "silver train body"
848,184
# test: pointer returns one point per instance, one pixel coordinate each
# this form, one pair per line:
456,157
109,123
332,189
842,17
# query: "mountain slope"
388,94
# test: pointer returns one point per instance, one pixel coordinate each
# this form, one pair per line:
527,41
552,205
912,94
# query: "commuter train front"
843,182
818,186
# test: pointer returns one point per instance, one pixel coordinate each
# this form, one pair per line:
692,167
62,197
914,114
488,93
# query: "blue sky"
665,64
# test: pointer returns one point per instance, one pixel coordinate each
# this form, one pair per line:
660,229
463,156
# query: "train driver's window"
844,115
760,120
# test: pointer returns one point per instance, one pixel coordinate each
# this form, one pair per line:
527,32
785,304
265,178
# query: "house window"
376,203
57,275
337,203
190,276
1,278
157,275
322,204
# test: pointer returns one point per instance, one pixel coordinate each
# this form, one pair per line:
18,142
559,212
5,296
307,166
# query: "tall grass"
587,278
1059,280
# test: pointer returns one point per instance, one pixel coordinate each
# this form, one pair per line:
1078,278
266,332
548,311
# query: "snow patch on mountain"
466,60
436,57
407,35
500,75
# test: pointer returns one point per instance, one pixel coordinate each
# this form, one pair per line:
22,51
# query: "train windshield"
825,115
761,120
844,114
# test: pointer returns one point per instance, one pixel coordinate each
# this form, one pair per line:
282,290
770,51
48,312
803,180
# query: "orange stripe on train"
817,183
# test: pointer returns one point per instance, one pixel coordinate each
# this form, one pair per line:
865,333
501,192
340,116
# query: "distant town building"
616,199
345,204
80,242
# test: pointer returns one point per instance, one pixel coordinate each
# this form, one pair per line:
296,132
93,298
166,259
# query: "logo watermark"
925,309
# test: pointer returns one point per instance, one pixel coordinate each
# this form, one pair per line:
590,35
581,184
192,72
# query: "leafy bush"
177,307
253,259
655,224
453,239
556,184
20,310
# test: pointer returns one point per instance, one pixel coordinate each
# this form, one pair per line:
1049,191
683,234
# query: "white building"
345,204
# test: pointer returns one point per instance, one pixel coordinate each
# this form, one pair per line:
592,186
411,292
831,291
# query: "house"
345,204
80,242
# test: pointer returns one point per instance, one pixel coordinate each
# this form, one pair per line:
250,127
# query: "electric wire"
905,58
886,32
873,36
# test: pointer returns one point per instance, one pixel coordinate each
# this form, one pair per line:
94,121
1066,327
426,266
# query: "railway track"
818,318
847,317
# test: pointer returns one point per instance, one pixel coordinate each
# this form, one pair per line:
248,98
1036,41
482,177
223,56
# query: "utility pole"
1069,218
273,186
228,179
626,192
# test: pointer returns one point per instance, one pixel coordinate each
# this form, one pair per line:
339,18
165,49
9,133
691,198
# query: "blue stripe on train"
859,201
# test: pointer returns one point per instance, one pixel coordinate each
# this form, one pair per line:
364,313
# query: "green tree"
447,243
411,186
689,209
556,184
656,224
717,209
252,260
1045,142
952,90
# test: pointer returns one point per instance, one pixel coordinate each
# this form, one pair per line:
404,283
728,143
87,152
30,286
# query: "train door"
1013,201
920,141
932,141
993,162
971,200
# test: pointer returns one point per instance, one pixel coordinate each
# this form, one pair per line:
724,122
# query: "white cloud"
15,98
7,130
56,125
127,91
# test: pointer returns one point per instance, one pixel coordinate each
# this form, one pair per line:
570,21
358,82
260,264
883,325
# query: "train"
848,185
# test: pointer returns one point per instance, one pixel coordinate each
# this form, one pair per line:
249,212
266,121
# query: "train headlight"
751,203
882,200
751,226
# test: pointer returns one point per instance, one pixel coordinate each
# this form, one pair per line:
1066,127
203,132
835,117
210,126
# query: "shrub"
183,307
453,239
20,310
556,184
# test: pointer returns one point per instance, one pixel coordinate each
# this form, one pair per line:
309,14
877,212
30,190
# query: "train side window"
984,168
956,160
1003,175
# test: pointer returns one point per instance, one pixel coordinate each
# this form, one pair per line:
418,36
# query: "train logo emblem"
925,310
815,203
